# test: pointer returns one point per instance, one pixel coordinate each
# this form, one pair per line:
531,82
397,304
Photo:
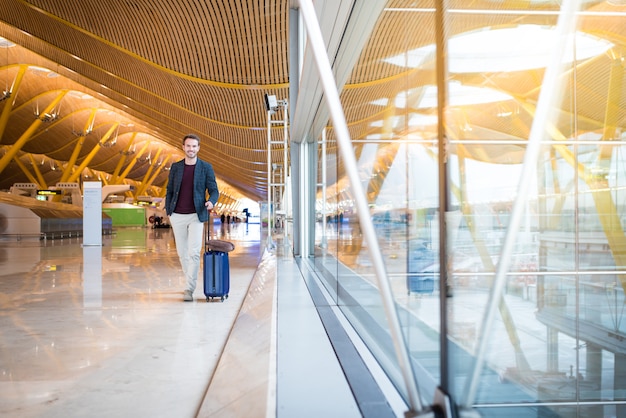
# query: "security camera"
270,102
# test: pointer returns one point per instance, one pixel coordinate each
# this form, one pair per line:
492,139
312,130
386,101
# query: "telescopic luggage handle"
208,232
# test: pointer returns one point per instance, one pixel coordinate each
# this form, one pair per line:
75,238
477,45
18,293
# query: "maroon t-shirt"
185,194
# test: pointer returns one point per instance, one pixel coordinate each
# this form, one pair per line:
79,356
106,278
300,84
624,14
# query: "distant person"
186,204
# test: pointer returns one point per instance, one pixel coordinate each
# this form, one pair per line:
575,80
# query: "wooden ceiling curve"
169,68
164,68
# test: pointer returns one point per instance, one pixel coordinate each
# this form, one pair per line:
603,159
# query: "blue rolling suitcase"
216,272
423,269
421,283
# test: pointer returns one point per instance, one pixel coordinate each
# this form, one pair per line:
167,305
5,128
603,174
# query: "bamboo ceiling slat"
170,67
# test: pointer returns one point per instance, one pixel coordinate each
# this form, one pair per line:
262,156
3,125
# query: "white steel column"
285,178
270,244
280,183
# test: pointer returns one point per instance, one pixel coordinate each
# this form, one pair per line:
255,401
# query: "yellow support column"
104,180
149,182
41,182
8,106
613,96
142,187
122,160
133,161
164,188
79,145
26,136
597,177
22,167
93,153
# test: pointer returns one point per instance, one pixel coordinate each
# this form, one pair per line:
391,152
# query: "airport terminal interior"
427,201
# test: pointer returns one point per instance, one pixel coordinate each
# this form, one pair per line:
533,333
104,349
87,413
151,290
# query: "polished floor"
102,331
90,331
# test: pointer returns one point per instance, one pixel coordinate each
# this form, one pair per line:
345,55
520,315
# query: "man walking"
187,205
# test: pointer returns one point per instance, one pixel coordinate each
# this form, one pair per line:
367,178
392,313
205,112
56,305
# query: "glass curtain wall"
556,346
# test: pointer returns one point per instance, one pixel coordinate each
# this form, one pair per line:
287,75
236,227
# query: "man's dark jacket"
203,181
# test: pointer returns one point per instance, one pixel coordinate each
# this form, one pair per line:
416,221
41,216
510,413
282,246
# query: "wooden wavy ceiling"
160,69
164,68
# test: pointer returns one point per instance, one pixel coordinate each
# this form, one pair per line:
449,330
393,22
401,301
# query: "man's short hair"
192,136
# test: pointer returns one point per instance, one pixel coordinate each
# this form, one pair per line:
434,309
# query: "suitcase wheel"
221,298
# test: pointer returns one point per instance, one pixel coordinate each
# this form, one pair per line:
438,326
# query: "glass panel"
549,342
556,347
328,215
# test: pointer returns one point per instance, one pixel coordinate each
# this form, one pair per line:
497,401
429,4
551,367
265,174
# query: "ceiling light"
5,43
519,48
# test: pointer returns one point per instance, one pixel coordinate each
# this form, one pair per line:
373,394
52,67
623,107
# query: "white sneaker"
187,296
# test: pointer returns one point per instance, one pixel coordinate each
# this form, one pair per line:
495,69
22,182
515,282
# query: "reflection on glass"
558,345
